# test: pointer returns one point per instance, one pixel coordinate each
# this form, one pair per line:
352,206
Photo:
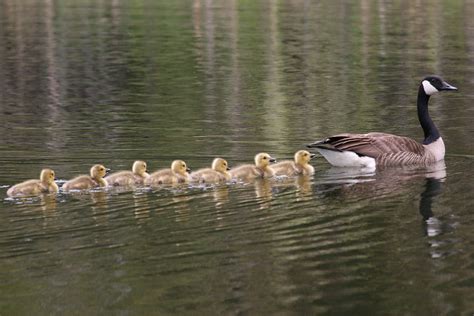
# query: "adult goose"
381,149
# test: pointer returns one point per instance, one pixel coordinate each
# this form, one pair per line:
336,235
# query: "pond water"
85,82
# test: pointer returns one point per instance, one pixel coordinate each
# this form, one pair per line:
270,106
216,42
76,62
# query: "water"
110,82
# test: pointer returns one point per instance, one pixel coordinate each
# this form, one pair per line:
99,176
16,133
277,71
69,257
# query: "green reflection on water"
87,82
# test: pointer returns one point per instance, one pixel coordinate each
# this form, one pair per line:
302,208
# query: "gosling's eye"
101,169
265,158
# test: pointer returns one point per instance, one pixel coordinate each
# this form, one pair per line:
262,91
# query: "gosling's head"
98,171
303,157
139,167
47,176
179,167
220,165
262,160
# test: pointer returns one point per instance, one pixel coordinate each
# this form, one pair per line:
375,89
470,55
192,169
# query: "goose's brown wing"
372,145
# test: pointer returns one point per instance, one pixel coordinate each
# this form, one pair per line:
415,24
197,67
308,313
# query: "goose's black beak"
312,145
447,87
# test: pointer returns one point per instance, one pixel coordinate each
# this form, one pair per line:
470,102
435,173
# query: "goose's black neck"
430,130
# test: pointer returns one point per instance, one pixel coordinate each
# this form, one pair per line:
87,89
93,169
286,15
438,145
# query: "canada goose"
179,173
300,165
217,173
125,178
261,168
369,150
84,182
45,184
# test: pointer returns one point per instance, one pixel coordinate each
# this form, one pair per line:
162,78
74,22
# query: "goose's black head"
434,84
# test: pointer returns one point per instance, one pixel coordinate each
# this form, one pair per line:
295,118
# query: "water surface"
110,82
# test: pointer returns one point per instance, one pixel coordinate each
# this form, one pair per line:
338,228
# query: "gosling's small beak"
447,87
228,168
272,159
107,170
188,169
311,156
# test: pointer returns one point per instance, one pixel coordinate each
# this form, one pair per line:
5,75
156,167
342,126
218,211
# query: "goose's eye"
101,169
265,158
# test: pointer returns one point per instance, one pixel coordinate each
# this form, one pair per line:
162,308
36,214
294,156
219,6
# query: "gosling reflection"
220,195
141,209
48,203
303,187
99,206
263,192
299,186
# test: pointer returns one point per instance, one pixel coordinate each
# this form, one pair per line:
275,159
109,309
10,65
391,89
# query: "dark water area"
86,82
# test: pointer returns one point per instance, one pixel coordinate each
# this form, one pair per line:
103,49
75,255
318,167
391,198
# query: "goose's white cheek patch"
428,87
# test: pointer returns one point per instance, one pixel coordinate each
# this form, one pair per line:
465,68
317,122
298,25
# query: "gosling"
300,165
85,182
179,173
127,178
261,169
219,172
45,184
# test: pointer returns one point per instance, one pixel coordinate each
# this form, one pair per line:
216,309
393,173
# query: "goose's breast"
436,149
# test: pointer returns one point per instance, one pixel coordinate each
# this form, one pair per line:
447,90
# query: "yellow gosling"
300,165
261,169
45,184
126,178
219,172
179,173
84,182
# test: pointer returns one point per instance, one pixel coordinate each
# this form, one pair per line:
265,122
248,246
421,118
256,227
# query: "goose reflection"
354,184
433,187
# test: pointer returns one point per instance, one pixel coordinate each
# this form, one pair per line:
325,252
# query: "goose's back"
386,149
